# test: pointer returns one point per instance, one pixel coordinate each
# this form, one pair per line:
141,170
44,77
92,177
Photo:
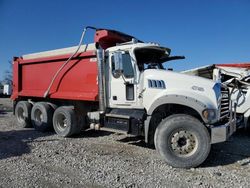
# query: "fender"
173,99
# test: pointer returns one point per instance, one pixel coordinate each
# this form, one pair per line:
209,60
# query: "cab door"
122,89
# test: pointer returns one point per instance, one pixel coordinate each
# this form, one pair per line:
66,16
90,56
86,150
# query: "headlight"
209,114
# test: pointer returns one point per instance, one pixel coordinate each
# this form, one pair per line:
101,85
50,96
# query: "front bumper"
221,133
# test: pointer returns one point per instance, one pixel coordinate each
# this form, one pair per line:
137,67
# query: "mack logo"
197,88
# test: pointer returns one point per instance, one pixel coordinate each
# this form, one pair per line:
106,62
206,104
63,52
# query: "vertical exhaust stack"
101,79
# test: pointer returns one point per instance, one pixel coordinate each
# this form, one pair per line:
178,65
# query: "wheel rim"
184,143
38,116
61,122
20,115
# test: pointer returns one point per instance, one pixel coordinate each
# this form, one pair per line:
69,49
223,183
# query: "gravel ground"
104,159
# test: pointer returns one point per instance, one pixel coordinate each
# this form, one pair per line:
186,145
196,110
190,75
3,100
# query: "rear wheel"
41,116
65,121
22,113
182,140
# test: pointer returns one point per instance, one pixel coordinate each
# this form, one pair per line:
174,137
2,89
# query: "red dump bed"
77,80
235,65
33,73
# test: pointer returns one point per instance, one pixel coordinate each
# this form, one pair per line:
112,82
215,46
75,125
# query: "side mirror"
118,68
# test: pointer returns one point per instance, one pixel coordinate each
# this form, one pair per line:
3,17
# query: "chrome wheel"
184,143
61,122
20,115
65,121
38,116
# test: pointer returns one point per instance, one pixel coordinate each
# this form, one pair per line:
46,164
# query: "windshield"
153,57
149,57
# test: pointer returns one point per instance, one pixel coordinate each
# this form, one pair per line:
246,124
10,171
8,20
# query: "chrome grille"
224,103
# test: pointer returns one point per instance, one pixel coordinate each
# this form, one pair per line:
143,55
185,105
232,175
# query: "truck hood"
178,78
201,89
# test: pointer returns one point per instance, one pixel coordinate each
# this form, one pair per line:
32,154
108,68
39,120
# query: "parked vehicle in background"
119,82
7,89
225,73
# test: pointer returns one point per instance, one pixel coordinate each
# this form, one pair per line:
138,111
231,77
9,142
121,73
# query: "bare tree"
8,74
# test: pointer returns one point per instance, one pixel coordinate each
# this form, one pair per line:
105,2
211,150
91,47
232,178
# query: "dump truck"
119,82
226,73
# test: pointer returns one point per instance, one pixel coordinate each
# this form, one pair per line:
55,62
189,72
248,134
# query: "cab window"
127,65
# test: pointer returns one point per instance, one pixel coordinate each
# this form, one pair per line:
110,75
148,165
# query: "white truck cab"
181,115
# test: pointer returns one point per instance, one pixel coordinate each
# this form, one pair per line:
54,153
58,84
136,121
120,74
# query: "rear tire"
65,121
41,116
182,140
23,113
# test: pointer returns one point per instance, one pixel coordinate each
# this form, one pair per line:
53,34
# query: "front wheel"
182,140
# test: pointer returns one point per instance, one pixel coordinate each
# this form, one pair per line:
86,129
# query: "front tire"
182,140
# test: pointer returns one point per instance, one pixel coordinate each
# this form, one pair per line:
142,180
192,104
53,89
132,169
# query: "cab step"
129,121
